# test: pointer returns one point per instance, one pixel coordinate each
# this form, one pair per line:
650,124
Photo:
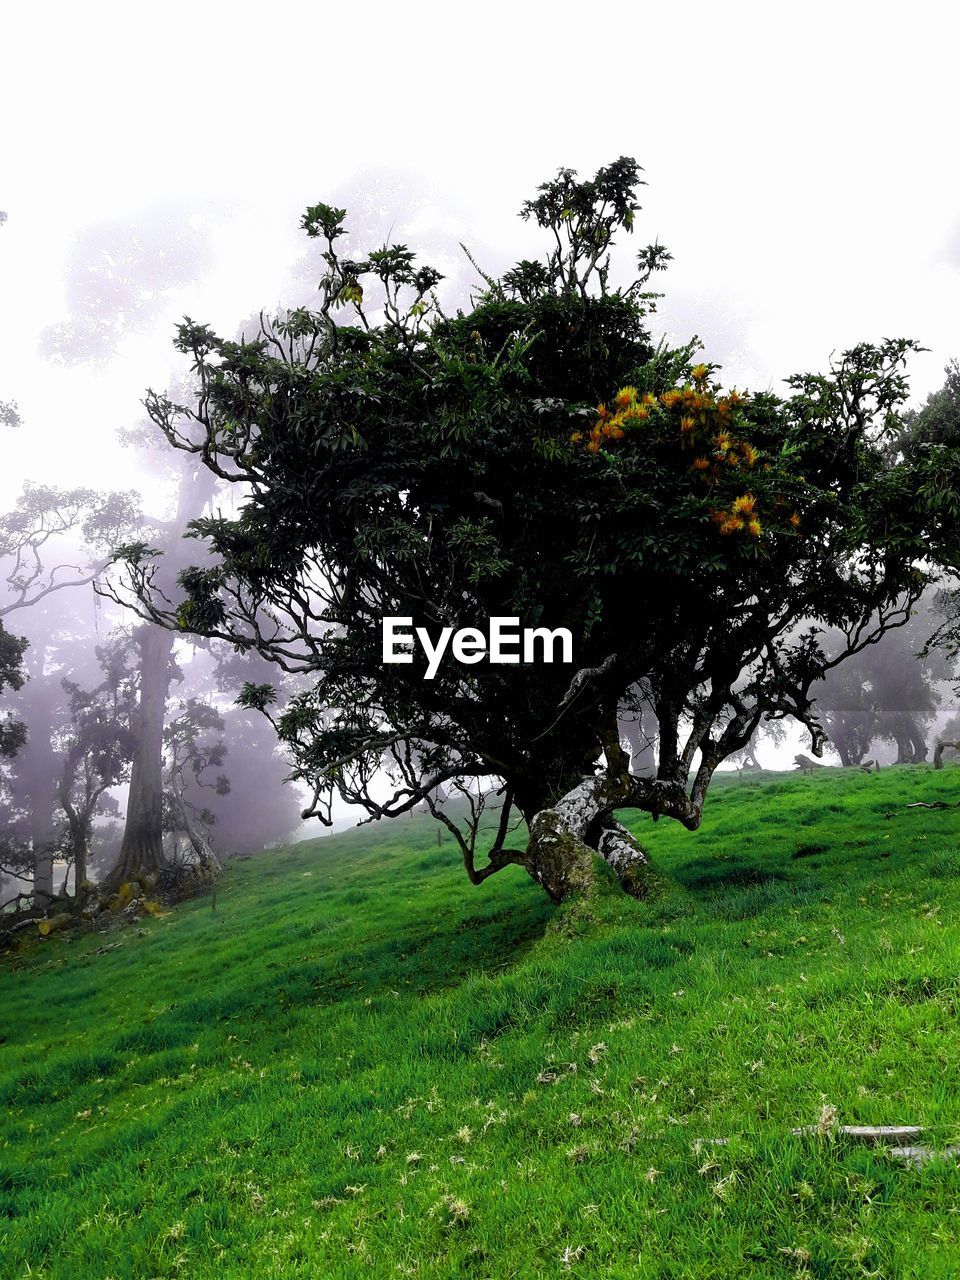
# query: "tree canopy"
539,456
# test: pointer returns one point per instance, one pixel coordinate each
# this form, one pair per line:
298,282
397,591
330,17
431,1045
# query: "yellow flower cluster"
705,419
705,424
628,407
740,517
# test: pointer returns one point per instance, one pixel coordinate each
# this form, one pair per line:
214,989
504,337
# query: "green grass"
361,1066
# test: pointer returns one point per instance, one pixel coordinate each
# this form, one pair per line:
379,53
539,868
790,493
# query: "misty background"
156,164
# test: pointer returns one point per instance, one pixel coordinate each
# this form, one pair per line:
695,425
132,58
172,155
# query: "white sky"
801,163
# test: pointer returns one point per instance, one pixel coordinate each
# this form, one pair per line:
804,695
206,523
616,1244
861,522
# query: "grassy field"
358,1065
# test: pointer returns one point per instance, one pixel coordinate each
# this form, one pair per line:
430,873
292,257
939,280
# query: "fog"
800,164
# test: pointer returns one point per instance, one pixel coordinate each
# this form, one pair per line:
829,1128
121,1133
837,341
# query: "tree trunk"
918,741
911,747
78,847
43,830
40,764
202,848
142,847
566,840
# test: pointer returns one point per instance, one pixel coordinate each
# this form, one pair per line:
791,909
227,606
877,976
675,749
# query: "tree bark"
566,840
40,764
142,847
918,741
205,855
911,746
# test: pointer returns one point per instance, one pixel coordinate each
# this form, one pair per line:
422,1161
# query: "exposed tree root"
566,840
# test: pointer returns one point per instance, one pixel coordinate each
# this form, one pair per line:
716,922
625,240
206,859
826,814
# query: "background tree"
12,731
96,750
258,809
120,276
772,731
538,457
929,437
637,726
142,845
194,747
14,850
846,703
53,543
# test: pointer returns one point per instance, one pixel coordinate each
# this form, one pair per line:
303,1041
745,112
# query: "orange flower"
744,505
593,446
722,442
754,527
795,520
602,412
616,433
700,464
635,414
625,396
686,425
699,372
576,437
731,524
670,398
749,454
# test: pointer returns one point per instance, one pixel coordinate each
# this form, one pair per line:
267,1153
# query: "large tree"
53,544
536,457
888,692
930,436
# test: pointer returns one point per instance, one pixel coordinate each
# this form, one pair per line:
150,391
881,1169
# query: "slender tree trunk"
79,851
918,741
40,764
43,832
198,841
142,847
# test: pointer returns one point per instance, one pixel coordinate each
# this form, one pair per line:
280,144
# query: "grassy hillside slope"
358,1065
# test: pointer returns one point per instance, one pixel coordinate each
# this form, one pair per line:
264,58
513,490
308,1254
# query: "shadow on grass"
705,874
412,958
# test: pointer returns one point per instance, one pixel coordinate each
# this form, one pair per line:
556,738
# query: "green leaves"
587,213
323,220
256,697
